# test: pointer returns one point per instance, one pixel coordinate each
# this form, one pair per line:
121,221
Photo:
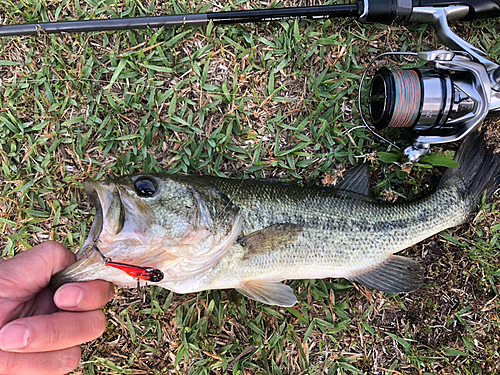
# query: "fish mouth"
110,213
109,217
91,187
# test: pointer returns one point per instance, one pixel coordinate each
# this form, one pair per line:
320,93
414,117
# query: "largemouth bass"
214,233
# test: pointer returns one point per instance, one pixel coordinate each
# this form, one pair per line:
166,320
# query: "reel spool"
421,99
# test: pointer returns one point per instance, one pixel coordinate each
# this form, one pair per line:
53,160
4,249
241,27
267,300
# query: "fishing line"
352,129
407,98
382,96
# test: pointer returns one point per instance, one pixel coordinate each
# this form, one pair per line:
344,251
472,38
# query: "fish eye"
145,187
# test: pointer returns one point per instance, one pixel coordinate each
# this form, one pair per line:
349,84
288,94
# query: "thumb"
28,273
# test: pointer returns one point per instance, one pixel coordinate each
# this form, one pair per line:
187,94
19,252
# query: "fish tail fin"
479,171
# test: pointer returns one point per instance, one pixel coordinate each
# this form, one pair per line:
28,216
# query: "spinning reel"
443,102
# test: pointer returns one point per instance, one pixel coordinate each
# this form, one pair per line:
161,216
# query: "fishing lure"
143,273
138,272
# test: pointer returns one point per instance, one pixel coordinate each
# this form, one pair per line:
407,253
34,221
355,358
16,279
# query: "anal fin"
269,292
396,275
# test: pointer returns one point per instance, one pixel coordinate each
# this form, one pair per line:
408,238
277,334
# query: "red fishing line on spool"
395,98
408,98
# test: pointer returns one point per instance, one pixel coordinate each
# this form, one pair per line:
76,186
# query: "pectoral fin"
396,275
269,292
270,238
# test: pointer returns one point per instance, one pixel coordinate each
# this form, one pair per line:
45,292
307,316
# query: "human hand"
40,330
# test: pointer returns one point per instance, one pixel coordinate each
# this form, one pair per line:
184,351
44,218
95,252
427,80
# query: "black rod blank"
242,16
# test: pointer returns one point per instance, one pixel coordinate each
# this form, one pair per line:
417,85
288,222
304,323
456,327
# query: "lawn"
251,100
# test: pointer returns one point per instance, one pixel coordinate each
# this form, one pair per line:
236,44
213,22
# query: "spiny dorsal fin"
356,180
270,238
396,275
269,292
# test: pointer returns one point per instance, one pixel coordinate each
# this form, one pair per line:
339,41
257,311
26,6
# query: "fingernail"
13,337
68,297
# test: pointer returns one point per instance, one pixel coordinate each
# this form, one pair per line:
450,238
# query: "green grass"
269,100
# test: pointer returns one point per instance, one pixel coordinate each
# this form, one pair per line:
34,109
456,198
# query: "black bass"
213,233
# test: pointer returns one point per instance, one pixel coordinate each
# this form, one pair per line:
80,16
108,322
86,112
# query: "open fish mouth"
91,188
110,217
110,213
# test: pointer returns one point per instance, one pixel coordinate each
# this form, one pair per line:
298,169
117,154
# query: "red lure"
143,273
140,273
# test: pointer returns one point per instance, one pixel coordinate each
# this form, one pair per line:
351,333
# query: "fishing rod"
440,103
372,11
178,20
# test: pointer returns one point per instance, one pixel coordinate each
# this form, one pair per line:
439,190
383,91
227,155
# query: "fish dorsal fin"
395,275
269,292
357,181
270,238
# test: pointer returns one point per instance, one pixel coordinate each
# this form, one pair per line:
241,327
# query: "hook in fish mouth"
138,272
